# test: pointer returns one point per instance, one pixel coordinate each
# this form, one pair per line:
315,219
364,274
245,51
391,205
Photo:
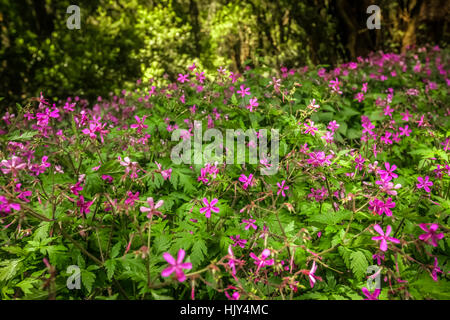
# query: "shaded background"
121,41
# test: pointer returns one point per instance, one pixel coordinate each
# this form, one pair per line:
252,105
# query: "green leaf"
345,254
11,267
199,251
116,249
26,285
88,279
15,250
23,137
110,266
359,264
330,217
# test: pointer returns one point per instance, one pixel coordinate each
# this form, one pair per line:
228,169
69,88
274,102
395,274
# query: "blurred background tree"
121,41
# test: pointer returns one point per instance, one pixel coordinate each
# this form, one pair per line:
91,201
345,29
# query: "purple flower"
246,181
84,206
371,296
389,172
253,104
76,188
282,187
209,207
250,223
183,78
152,210
232,261
131,198
12,165
359,162
261,261
405,131
384,237
435,270
430,236
312,276
378,257
6,206
243,91
238,241
333,125
107,178
176,266
424,183
140,124
310,128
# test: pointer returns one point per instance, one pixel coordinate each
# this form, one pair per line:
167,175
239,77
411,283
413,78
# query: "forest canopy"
121,41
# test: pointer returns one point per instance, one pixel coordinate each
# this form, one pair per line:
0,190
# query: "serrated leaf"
110,266
358,264
10,269
345,254
116,249
199,251
14,250
88,279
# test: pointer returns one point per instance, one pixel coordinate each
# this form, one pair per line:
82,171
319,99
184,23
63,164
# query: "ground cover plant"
89,190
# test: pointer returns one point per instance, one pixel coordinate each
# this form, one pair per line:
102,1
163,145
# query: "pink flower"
13,165
312,276
310,128
243,91
246,181
129,165
84,206
261,261
333,125
378,257
388,111
166,174
234,296
424,183
405,131
406,115
252,104
183,78
249,223
435,270
371,296
131,198
282,187
22,194
232,261
140,124
6,206
389,172
152,208
209,207
176,266
107,178
238,241
359,162
430,236
384,237
76,188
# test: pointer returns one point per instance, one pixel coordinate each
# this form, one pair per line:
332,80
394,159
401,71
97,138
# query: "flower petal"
168,257
181,254
168,271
